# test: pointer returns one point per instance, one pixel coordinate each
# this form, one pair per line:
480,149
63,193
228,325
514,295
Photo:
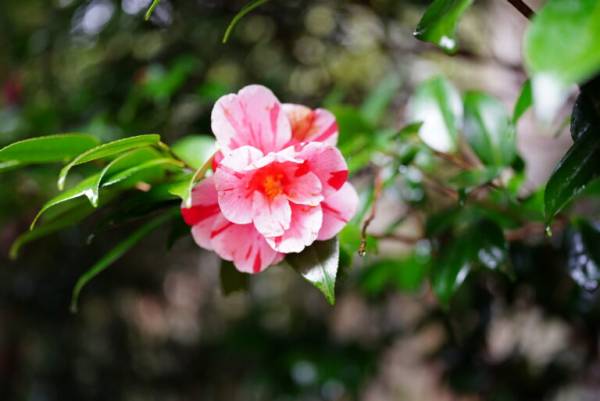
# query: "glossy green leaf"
438,105
318,264
480,244
47,149
562,41
70,219
488,129
251,5
107,150
88,186
232,280
10,165
524,101
117,252
581,164
195,150
440,22
126,161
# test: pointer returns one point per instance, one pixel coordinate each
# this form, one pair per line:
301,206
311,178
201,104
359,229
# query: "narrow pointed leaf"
318,264
524,101
117,252
47,149
106,150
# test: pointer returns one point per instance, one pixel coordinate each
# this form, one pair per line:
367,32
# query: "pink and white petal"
242,245
303,231
240,159
327,163
325,128
203,212
252,117
304,189
287,155
235,200
338,209
271,217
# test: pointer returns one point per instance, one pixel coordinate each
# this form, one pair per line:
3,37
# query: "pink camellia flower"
279,182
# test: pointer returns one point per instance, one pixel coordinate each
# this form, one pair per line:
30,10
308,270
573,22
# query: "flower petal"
303,231
327,163
338,210
241,159
311,125
304,189
252,117
271,217
243,245
203,212
235,200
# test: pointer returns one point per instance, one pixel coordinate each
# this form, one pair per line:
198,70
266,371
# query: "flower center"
273,185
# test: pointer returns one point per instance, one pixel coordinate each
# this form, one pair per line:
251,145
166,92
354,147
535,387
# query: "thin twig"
377,189
522,8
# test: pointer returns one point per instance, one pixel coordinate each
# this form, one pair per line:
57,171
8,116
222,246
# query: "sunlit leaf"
438,105
117,252
488,129
47,149
194,150
106,150
439,23
562,41
318,264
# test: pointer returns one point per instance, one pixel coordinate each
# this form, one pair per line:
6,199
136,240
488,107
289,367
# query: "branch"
377,189
522,8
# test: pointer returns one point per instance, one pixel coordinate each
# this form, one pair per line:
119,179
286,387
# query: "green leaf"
524,102
480,244
106,150
562,41
380,98
195,150
126,161
437,103
318,264
440,21
117,252
581,164
10,165
67,220
470,179
241,14
232,280
47,149
488,129
88,186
